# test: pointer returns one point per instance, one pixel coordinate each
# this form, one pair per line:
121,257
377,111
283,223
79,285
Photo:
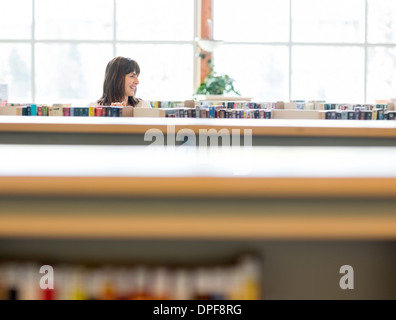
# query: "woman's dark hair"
114,81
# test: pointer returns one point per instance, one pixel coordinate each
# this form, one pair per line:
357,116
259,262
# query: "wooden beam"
246,226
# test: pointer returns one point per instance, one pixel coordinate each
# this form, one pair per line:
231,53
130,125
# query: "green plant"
215,83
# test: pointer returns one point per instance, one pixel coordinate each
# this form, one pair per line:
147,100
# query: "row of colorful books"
241,104
279,105
358,114
340,106
216,112
207,109
294,105
239,280
61,110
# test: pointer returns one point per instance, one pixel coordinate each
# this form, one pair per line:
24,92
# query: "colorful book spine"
57,111
391,115
33,110
381,114
98,111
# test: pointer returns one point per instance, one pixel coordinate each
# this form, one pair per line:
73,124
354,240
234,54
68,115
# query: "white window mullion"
290,48
365,51
33,58
115,28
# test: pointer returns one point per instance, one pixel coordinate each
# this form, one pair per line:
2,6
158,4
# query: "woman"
120,84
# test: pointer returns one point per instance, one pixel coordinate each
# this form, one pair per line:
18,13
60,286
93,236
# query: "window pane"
260,72
15,19
333,74
166,71
15,70
382,21
251,20
328,20
381,78
155,19
74,19
70,73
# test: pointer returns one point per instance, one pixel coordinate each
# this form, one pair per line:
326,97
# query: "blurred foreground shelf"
306,210
140,192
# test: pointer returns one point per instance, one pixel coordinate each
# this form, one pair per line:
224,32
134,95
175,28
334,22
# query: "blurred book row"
239,280
216,109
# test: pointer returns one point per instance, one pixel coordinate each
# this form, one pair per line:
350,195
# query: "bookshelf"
131,131
305,210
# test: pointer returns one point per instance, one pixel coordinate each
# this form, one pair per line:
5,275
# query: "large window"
333,50
56,51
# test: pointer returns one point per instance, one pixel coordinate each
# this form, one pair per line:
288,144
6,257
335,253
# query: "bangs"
132,66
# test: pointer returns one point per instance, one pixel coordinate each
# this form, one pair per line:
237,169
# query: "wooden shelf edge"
198,226
294,128
199,187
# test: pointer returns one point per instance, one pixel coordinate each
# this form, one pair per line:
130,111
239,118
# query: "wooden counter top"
259,127
135,171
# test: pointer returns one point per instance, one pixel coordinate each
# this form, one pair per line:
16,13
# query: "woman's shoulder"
143,104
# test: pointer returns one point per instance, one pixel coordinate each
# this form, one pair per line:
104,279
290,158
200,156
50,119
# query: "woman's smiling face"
131,82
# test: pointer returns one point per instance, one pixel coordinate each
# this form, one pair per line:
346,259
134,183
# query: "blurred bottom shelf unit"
196,269
299,247
230,280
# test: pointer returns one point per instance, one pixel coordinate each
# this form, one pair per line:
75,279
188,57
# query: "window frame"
365,45
114,42
203,10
